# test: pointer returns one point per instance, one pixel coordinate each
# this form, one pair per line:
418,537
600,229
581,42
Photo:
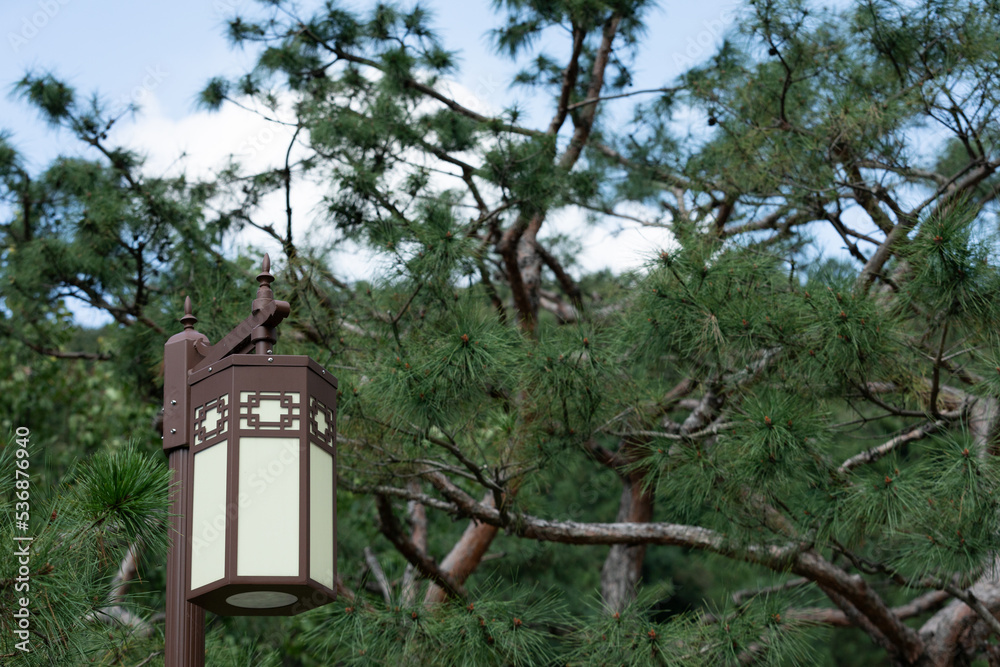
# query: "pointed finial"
265,279
188,320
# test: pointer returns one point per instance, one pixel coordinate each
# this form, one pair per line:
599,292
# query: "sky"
160,54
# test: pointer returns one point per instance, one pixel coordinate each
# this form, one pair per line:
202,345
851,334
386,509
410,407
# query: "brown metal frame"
189,360
283,374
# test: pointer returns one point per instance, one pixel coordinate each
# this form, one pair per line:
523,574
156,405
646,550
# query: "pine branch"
563,311
862,597
946,631
127,571
711,430
344,591
148,659
739,596
864,195
568,285
906,172
570,74
936,373
619,96
61,354
117,617
508,247
406,494
838,225
606,210
390,527
376,569
876,453
968,597
868,393
806,563
837,618
429,91
466,554
671,180
859,620
882,254
584,122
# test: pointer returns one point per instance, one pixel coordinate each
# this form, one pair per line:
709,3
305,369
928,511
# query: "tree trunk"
418,526
465,556
950,635
529,263
623,566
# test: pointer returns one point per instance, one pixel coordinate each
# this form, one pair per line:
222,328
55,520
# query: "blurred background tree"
744,452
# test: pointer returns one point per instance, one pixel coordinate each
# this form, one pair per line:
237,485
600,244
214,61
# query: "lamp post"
250,438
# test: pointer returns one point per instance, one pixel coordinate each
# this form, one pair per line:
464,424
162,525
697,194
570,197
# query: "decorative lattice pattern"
211,420
320,421
270,410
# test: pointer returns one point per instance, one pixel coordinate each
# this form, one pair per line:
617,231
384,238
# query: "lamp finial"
263,337
265,279
188,320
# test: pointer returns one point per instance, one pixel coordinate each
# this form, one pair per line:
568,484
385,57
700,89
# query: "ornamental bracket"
190,351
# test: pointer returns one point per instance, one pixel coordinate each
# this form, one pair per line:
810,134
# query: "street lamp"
251,439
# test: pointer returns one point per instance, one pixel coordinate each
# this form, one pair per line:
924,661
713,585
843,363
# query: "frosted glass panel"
268,534
208,519
320,516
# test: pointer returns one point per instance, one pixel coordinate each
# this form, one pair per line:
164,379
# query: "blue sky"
128,49
161,54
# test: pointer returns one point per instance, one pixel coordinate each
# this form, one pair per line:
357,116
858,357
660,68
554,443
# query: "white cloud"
203,142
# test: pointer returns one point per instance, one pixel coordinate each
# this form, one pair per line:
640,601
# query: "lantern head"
263,486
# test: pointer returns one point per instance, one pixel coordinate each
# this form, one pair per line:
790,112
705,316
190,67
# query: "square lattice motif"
211,420
320,420
270,410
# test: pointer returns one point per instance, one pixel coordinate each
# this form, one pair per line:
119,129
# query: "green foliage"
81,530
438,378
632,637
952,271
490,629
719,306
121,494
938,513
752,404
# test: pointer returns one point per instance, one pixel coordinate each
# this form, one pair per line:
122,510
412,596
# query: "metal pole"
185,632
185,622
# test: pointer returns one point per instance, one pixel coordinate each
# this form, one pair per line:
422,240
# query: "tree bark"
418,535
465,556
623,567
950,633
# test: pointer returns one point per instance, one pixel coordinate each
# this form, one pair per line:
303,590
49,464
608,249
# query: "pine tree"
753,449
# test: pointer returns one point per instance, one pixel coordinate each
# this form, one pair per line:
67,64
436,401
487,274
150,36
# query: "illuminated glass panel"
208,520
268,530
321,516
